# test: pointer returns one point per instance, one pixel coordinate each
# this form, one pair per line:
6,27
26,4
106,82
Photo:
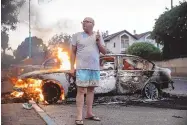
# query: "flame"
64,59
62,96
40,95
17,94
32,87
45,102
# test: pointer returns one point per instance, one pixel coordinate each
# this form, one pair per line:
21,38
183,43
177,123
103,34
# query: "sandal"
79,122
94,118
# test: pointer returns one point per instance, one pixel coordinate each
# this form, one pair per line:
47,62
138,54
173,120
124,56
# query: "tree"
4,41
38,48
60,40
145,50
9,13
170,30
6,61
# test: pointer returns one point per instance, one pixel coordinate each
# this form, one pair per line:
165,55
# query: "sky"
56,16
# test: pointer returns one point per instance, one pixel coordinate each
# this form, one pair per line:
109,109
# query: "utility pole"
30,42
171,4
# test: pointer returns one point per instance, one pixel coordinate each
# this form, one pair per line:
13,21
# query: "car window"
107,63
51,63
148,65
132,64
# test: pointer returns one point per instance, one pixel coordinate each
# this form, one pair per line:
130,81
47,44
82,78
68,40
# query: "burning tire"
51,92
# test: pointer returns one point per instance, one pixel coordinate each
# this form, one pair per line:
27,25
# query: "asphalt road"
180,87
131,110
119,115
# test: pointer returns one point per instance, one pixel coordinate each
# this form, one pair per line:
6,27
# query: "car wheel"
151,91
51,92
110,68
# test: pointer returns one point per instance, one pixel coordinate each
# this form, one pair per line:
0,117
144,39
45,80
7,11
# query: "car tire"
151,91
51,92
110,68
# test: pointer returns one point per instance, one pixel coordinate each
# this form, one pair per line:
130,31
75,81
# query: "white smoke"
42,25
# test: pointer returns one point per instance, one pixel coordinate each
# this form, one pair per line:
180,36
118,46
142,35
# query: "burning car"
129,74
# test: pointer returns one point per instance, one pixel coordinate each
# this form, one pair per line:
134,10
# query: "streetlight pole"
171,4
30,44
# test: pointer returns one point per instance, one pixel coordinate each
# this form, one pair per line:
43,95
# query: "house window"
124,43
114,45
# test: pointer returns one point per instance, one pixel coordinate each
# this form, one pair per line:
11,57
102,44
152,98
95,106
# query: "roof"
138,36
109,37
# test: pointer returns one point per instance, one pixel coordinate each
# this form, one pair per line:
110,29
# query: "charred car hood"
42,72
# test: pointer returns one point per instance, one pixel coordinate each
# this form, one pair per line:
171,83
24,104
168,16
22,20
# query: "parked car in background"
108,65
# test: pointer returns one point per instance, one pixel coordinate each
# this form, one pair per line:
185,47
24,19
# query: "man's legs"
89,101
80,102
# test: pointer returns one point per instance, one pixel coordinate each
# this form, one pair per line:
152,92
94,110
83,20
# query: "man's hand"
102,49
72,72
98,37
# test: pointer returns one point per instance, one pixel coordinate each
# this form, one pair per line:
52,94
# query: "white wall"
178,66
110,45
117,41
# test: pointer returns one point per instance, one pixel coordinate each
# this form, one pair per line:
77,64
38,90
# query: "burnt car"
129,74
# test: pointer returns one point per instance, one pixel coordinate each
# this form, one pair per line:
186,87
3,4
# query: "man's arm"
100,43
73,56
102,48
73,51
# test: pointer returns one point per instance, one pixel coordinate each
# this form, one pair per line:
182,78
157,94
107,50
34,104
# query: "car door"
107,81
130,74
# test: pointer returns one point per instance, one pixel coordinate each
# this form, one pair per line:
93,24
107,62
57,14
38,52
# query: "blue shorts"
87,78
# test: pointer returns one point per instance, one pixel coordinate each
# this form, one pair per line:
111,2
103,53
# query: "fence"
177,66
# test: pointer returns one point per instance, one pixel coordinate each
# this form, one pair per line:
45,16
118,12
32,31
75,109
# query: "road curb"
172,95
183,78
42,114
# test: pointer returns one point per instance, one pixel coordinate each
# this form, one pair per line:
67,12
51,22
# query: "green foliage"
170,30
6,61
145,50
9,13
9,19
61,40
4,41
38,48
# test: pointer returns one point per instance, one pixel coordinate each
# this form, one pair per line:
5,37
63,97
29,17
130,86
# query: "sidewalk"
15,114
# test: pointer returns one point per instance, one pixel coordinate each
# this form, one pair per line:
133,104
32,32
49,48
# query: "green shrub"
145,50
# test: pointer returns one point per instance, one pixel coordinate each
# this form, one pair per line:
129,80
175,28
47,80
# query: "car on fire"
129,74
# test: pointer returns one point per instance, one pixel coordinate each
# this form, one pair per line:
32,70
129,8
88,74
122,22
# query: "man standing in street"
86,47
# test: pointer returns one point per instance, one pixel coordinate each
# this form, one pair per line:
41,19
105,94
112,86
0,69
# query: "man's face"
88,24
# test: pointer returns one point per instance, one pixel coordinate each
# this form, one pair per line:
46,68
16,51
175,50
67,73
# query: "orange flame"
64,59
34,86
30,86
17,94
40,95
